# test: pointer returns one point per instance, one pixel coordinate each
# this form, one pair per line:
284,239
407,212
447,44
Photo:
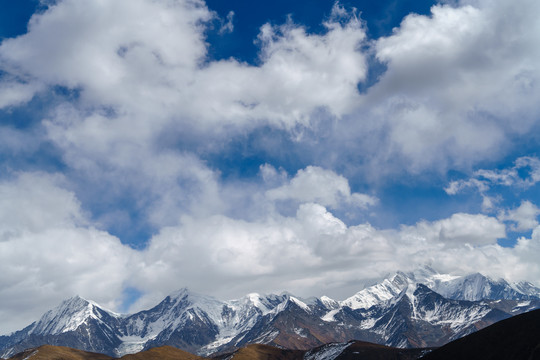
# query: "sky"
235,146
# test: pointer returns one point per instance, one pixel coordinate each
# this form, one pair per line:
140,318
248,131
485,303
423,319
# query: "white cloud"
456,187
112,50
325,187
227,27
13,93
48,253
119,156
27,205
458,83
460,229
299,74
142,87
525,216
146,58
522,175
308,253
511,176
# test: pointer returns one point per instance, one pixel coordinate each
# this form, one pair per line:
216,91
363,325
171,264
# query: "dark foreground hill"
263,352
369,351
516,338
335,351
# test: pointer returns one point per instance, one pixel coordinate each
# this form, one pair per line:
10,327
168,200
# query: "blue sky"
235,146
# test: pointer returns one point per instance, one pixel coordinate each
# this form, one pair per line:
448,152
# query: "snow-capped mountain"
194,322
476,287
473,287
76,323
69,315
416,309
380,293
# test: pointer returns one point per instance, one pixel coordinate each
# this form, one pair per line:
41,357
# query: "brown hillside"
162,353
49,352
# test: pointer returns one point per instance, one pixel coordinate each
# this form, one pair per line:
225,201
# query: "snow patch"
131,345
300,303
327,352
329,303
330,316
32,354
368,324
300,332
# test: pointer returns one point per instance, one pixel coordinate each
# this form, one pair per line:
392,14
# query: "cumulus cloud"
13,93
525,216
309,252
48,252
460,229
146,57
143,87
458,82
314,251
325,187
108,49
25,199
301,73
234,256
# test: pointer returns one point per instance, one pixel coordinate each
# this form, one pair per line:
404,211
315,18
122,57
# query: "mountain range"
407,310
515,338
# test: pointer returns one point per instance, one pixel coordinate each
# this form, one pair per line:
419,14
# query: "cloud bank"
136,109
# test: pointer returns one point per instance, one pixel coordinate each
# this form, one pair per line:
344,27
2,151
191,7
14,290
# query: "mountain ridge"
400,311
515,338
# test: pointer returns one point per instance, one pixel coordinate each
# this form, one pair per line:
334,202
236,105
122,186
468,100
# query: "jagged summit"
387,289
472,287
68,316
179,293
476,287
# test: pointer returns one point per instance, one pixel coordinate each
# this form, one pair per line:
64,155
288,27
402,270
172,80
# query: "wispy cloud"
524,174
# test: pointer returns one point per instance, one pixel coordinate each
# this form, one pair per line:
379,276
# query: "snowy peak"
329,303
379,293
68,316
264,304
475,287
174,311
527,288
185,298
